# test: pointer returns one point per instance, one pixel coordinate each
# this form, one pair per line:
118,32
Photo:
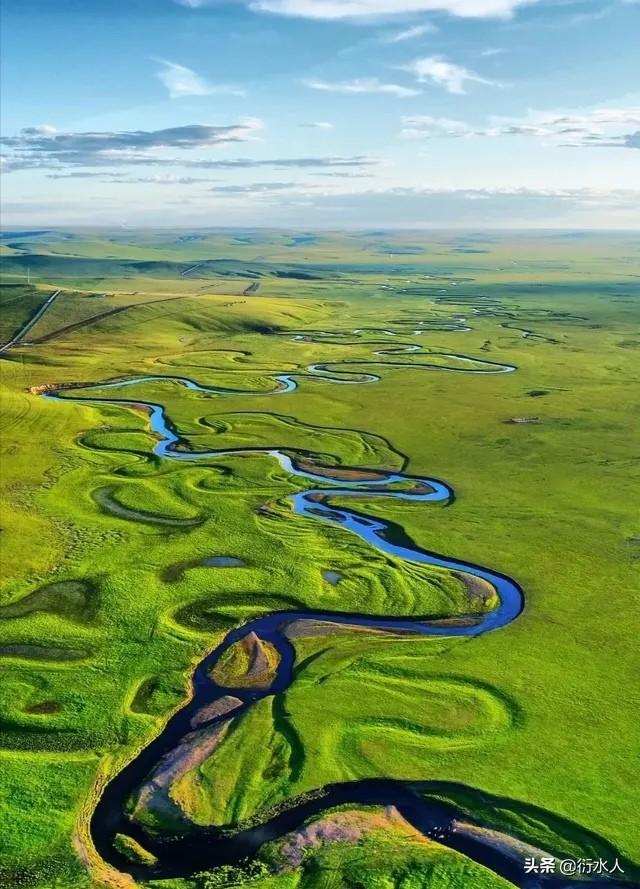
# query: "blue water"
373,531
203,847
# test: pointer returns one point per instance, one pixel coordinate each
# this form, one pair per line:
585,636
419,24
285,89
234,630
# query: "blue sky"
326,113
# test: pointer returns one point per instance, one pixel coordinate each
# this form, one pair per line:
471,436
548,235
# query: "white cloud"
361,85
47,148
452,77
181,81
354,9
599,127
294,206
262,189
91,153
424,126
411,33
106,177
318,125
45,129
475,194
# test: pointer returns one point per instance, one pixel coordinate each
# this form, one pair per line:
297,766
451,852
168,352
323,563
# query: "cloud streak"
411,33
59,152
601,127
360,86
368,9
258,189
181,81
107,177
47,147
439,72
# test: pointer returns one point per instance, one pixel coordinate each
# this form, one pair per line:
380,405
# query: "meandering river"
197,848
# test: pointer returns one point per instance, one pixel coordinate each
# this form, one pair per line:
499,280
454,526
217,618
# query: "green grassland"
107,602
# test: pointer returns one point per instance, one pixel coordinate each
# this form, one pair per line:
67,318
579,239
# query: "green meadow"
122,569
